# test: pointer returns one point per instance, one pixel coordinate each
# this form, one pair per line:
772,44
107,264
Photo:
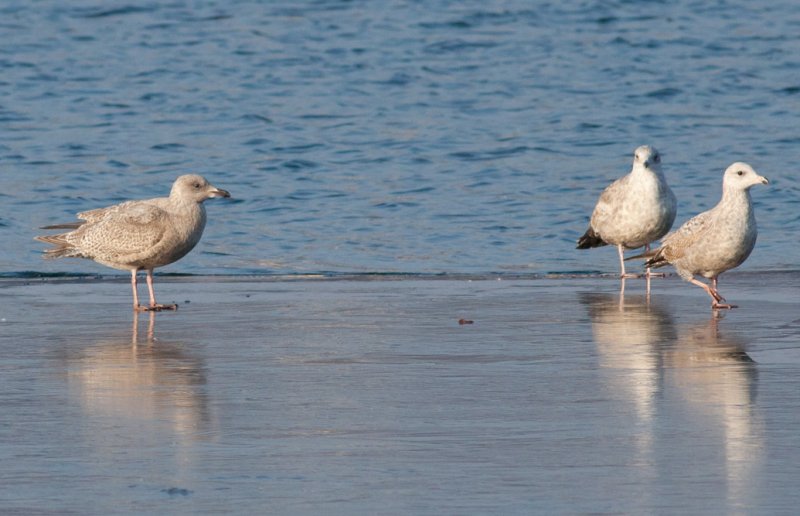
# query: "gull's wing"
122,233
694,230
609,203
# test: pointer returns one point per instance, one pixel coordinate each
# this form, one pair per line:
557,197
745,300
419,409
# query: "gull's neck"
737,200
733,194
182,201
641,171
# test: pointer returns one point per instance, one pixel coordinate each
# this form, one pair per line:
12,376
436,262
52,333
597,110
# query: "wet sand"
368,397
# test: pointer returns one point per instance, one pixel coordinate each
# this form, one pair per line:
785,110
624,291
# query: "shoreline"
45,277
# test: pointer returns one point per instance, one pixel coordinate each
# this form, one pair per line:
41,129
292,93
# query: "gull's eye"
740,173
196,186
657,158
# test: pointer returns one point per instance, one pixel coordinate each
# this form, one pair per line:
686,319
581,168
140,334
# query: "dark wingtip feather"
590,239
653,258
656,261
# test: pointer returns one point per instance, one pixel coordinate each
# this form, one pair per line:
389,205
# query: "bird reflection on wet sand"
717,380
148,388
694,379
628,332
633,331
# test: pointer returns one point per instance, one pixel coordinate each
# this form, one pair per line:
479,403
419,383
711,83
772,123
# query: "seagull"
716,240
634,210
139,235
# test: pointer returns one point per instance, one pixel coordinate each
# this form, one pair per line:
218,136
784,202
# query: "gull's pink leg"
150,287
153,305
624,274
708,290
135,294
724,303
717,301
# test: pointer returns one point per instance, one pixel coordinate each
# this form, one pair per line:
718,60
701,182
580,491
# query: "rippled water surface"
391,136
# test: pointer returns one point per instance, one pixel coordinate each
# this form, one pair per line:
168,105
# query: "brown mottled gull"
634,210
139,235
716,240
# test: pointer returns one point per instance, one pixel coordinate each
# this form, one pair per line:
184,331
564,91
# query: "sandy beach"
371,396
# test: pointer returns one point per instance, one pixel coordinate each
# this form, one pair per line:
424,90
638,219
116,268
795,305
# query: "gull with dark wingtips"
634,210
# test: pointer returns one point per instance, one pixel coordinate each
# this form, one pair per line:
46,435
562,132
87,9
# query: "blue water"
395,136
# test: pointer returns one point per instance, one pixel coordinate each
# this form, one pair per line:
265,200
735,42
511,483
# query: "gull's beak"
646,163
218,192
764,180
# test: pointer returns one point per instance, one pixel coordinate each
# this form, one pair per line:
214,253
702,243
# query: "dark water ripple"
398,137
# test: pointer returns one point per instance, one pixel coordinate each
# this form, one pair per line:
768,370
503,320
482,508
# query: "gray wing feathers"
609,203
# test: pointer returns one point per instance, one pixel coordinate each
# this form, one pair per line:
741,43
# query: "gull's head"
196,188
741,176
647,157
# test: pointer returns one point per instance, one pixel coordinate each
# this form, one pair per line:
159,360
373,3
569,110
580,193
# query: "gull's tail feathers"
62,249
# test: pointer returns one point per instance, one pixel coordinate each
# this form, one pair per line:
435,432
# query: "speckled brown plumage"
716,240
139,235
